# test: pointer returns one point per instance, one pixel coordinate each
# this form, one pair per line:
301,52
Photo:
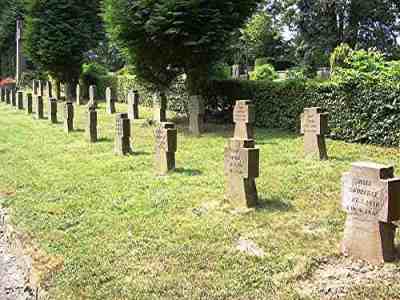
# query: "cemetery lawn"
106,228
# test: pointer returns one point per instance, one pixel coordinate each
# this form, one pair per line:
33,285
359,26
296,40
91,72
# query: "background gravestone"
20,100
28,103
13,97
133,105
123,134
159,108
41,88
78,95
110,103
8,96
91,128
39,107
196,115
2,94
52,111
314,126
35,87
166,136
49,90
241,161
92,96
371,199
68,117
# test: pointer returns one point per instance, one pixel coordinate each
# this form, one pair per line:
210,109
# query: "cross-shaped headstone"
68,117
371,199
41,88
133,105
166,145
13,97
35,87
241,161
28,103
91,129
123,134
52,111
110,101
2,94
8,96
196,115
314,126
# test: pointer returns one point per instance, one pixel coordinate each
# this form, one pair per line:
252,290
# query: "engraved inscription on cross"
166,146
371,199
314,126
244,117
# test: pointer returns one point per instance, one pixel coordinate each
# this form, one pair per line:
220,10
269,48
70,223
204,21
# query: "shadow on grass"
273,205
139,153
188,172
340,158
79,130
104,140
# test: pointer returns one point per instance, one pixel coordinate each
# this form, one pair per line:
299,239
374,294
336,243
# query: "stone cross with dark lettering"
39,107
371,199
28,103
241,162
110,101
166,136
92,96
52,112
68,117
314,126
196,115
122,134
20,100
91,129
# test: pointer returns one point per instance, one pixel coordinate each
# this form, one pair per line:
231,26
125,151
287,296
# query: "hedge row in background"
361,110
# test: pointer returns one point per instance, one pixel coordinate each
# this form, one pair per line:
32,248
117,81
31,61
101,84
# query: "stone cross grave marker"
49,90
242,159
110,101
92,96
123,134
159,108
197,110
68,117
314,126
133,105
78,95
166,145
371,199
39,107
28,103
91,129
52,110
20,100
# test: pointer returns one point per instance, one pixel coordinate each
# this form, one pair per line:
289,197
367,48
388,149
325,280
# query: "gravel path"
14,270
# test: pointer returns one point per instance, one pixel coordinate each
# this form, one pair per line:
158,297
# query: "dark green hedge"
362,111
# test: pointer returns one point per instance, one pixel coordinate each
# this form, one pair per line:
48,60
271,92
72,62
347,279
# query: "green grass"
123,233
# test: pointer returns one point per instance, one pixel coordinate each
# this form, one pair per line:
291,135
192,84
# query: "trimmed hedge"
363,111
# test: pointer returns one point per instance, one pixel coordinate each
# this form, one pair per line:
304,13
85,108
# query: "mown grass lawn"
119,232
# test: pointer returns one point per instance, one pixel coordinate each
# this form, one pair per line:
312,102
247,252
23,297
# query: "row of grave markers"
370,192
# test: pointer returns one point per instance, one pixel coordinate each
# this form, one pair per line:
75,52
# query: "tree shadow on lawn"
340,158
104,140
188,172
274,204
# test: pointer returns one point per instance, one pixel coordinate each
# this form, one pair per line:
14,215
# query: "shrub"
261,61
264,72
